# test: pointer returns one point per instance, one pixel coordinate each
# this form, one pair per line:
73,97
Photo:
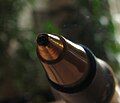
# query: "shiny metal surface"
67,64
64,71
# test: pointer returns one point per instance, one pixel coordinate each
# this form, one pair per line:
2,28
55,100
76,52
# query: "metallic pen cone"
49,48
64,61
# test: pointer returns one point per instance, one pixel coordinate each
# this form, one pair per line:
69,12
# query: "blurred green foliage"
49,27
19,65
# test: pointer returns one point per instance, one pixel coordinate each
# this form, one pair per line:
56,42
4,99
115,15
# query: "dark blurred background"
94,23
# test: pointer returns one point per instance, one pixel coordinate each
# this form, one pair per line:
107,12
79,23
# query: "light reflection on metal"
68,70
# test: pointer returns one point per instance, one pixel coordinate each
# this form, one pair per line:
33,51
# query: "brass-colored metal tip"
49,47
65,62
42,40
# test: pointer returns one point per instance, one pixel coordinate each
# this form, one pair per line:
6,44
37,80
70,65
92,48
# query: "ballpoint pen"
74,72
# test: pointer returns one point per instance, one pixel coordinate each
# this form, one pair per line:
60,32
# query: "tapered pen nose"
64,62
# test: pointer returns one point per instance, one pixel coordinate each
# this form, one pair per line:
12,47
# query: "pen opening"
42,40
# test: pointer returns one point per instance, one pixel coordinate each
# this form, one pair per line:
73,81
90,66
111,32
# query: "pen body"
74,73
101,89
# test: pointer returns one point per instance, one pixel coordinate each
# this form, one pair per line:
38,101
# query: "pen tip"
42,40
